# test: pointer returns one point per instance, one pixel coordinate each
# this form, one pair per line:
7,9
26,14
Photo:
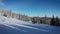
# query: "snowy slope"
15,26
12,21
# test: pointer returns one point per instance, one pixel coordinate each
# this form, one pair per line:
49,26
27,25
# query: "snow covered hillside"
11,21
15,26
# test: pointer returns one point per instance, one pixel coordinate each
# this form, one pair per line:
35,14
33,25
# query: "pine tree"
41,21
52,21
19,16
57,21
45,20
10,13
34,21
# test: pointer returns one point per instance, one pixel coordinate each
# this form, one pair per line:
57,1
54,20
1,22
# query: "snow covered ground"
15,26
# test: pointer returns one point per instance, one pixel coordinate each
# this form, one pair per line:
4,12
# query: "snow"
12,25
12,21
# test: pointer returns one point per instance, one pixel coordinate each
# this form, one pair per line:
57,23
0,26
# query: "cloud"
1,3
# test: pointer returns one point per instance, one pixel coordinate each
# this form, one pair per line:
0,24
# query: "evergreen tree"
10,13
45,20
19,16
41,21
57,21
52,21
34,21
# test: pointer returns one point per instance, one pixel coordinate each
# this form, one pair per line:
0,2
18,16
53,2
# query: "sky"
32,7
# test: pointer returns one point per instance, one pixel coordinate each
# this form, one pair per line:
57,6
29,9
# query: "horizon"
32,8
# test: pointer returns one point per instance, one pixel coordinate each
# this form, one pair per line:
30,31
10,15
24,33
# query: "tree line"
53,21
